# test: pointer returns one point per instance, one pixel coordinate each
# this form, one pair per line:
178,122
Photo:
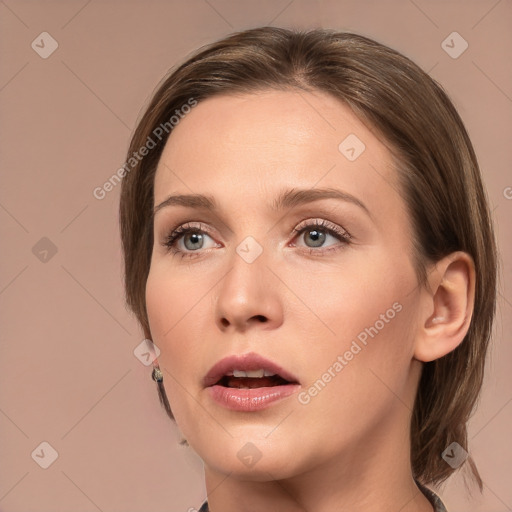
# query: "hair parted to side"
438,173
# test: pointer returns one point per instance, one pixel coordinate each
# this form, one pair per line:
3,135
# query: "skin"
348,448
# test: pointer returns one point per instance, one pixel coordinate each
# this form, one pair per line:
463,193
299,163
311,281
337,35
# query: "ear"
447,307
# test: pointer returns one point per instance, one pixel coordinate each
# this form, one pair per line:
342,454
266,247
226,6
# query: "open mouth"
249,382
248,371
230,381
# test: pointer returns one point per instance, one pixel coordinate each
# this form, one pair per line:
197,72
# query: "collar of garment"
434,499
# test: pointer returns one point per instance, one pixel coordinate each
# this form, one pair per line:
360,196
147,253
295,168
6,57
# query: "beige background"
68,372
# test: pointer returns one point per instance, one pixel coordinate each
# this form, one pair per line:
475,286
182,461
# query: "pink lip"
248,400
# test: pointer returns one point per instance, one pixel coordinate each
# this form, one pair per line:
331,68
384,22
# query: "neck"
375,477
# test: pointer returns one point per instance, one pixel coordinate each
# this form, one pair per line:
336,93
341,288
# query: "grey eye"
316,236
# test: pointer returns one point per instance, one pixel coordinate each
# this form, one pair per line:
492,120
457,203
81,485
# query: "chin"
268,468
247,458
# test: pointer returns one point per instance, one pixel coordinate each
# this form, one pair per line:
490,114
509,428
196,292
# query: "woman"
307,241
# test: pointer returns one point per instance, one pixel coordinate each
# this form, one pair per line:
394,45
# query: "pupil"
196,237
318,237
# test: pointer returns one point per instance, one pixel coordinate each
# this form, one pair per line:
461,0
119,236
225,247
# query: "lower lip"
250,400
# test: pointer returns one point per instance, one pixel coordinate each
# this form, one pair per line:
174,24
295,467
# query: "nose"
248,297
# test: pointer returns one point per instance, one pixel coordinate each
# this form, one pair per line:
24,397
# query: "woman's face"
322,286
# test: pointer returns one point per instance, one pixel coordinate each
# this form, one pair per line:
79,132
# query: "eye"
316,232
187,238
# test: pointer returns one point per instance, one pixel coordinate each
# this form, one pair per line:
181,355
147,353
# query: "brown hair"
439,180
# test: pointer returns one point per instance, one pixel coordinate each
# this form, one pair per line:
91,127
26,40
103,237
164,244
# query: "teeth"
253,373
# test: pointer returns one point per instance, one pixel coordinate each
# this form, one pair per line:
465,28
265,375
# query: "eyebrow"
286,199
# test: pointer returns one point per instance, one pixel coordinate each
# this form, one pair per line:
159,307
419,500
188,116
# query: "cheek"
168,302
160,304
167,307
177,306
365,314
344,300
361,375
170,297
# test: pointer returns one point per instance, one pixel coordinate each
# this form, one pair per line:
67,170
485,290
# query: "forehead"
280,139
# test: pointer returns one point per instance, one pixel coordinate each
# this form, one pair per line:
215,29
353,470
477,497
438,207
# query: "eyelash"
322,225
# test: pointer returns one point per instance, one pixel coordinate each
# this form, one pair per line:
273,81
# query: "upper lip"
246,362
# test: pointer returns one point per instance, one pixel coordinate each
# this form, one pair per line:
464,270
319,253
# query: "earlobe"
448,305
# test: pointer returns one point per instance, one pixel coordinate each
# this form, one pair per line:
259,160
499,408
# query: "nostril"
259,318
